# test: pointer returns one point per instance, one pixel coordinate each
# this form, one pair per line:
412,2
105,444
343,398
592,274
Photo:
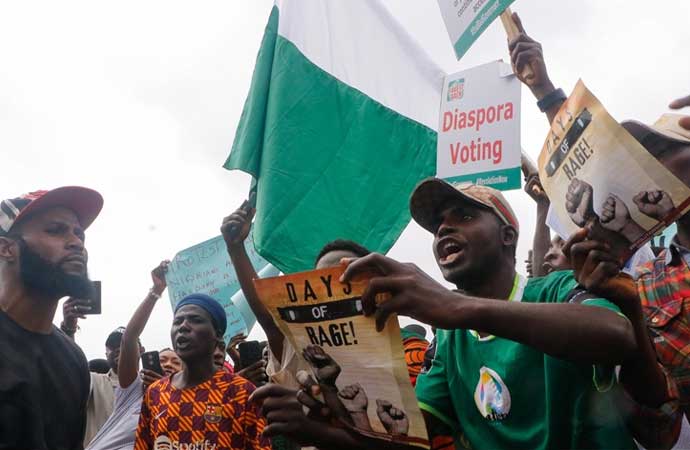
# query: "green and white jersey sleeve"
503,394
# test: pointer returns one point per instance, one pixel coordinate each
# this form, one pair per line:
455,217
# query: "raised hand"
354,398
534,189
394,420
655,204
236,226
327,370
682,103
526,51
232,350
158,277
614,214
578,202
72,310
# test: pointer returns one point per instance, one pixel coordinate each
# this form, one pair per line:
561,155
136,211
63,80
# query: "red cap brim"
86,203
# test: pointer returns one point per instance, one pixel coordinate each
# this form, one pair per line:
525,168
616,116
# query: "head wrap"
211,306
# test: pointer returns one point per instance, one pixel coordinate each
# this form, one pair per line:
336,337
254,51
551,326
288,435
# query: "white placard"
479,127
467,19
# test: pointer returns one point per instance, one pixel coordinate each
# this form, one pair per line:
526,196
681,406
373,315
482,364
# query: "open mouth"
182,342
449,251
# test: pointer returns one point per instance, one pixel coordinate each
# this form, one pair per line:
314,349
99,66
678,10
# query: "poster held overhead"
598,176
466,19
479,127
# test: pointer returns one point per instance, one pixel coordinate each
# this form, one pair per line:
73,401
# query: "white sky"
140,101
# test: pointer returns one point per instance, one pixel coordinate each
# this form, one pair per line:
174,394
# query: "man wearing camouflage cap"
44,377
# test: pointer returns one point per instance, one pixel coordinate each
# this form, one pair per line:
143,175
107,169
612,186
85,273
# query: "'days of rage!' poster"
598,176
323,316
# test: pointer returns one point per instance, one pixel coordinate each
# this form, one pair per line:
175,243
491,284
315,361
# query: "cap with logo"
86,204
432,194
667,127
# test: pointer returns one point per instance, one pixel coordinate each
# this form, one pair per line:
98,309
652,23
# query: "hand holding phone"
94,303
151,361
250,353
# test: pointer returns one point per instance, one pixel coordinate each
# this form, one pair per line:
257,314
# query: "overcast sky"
140,101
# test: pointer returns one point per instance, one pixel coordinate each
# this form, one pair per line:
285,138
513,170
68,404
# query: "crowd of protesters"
592,353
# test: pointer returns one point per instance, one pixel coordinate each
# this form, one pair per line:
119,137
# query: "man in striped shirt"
202,406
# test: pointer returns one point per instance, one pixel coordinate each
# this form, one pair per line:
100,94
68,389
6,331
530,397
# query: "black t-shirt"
44,387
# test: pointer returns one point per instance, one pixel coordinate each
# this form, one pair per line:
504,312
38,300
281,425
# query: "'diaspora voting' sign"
479,129
467,19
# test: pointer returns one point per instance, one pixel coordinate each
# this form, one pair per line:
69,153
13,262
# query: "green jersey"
502,394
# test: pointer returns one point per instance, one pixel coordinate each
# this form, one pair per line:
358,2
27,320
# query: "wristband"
154,294
550,99
67,330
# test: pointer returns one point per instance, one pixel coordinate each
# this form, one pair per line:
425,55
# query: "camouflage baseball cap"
432,194
86,204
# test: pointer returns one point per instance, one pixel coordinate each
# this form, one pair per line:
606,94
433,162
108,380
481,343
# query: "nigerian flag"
338,127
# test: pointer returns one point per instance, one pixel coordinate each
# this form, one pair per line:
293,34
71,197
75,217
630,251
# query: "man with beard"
44,376
202,406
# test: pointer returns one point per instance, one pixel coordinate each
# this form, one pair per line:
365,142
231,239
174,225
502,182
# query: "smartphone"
250,353
95,301
152,361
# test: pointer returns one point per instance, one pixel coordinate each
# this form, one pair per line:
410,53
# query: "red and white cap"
86,204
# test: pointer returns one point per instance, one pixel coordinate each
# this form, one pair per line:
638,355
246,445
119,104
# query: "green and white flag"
338,127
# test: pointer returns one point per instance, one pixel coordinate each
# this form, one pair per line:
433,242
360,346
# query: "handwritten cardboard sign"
206,268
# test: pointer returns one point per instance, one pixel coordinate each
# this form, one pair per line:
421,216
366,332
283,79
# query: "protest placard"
318,313
598,176
206,268
466,19
479,127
